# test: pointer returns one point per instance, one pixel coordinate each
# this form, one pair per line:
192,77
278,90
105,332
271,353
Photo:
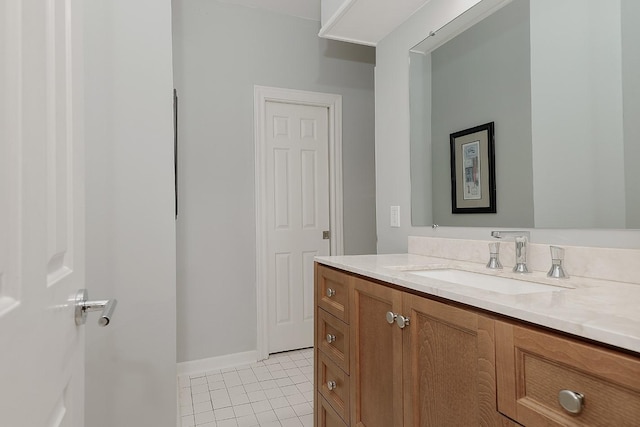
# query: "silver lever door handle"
83,307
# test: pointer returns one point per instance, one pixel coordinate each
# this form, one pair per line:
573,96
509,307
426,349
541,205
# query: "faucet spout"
502,234
521,238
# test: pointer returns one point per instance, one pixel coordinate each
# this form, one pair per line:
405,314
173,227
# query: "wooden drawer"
326,416
333,339
332,291
329,372
534,366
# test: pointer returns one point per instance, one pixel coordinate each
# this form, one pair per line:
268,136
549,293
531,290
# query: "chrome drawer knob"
391,317
331,338
331,385
402,321
571,401
330,292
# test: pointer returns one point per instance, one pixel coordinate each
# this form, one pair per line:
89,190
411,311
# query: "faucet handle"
557,270
494,252
557,253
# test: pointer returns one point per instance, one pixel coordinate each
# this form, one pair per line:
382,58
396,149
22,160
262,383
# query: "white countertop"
604,311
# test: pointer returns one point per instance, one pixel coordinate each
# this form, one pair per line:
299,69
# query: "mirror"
557,78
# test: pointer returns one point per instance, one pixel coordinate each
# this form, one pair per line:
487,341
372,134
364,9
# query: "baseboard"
218,362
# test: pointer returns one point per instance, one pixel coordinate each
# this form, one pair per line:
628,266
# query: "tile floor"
277,392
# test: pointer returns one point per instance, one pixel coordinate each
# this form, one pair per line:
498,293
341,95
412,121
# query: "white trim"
459,25
178,414
349,39
333,102
216,363
335,19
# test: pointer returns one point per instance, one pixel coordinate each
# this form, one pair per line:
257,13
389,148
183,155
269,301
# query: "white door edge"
333,102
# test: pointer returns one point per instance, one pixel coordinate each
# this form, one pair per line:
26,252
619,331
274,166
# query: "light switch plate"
395,216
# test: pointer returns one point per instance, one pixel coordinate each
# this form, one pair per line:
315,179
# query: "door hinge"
326,235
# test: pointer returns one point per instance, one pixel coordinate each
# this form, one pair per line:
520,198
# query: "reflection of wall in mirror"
631,108
558,85
420,105
481,76
576,106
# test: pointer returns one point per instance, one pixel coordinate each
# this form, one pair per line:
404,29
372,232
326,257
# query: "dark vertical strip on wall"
175,149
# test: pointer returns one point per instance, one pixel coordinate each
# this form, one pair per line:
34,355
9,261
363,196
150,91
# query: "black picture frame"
473,172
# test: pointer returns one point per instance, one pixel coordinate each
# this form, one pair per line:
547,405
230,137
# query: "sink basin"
503,285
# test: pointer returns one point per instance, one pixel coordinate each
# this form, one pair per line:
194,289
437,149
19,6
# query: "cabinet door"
376,356
449,366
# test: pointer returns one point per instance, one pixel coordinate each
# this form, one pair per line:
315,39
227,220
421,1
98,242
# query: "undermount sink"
503,285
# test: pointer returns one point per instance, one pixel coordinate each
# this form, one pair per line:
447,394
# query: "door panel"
42,222
449,366
376,356
298,212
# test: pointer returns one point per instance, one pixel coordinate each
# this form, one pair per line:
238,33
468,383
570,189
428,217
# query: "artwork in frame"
473,173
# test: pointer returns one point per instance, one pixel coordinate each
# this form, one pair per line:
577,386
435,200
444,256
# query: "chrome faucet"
521,238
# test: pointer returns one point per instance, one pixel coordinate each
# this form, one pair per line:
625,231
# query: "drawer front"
539,365
333,385
326,416
333,339
332,291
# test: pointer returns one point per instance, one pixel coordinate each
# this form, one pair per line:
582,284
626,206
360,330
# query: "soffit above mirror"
364,21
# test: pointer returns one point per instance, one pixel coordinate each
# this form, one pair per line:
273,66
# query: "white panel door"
298,212
41,213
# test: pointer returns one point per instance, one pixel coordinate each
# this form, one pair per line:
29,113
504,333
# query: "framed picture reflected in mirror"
473,175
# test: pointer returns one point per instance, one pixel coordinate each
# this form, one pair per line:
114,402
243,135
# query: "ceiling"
308,9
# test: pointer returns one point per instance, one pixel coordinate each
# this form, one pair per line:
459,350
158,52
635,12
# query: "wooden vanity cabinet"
535,365
439,370
456,366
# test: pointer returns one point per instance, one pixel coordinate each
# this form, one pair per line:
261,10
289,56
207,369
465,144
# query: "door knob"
83,306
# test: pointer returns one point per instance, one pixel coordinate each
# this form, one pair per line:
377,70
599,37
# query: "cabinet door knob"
571,401
402,321
330,292
331,338
331,385
391,317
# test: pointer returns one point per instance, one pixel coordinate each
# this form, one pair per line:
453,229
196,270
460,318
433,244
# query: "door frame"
333,102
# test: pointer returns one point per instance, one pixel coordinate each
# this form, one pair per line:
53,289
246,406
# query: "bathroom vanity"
394,347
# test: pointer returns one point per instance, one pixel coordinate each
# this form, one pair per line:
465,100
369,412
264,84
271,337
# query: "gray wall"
220,52
130,227
483,76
